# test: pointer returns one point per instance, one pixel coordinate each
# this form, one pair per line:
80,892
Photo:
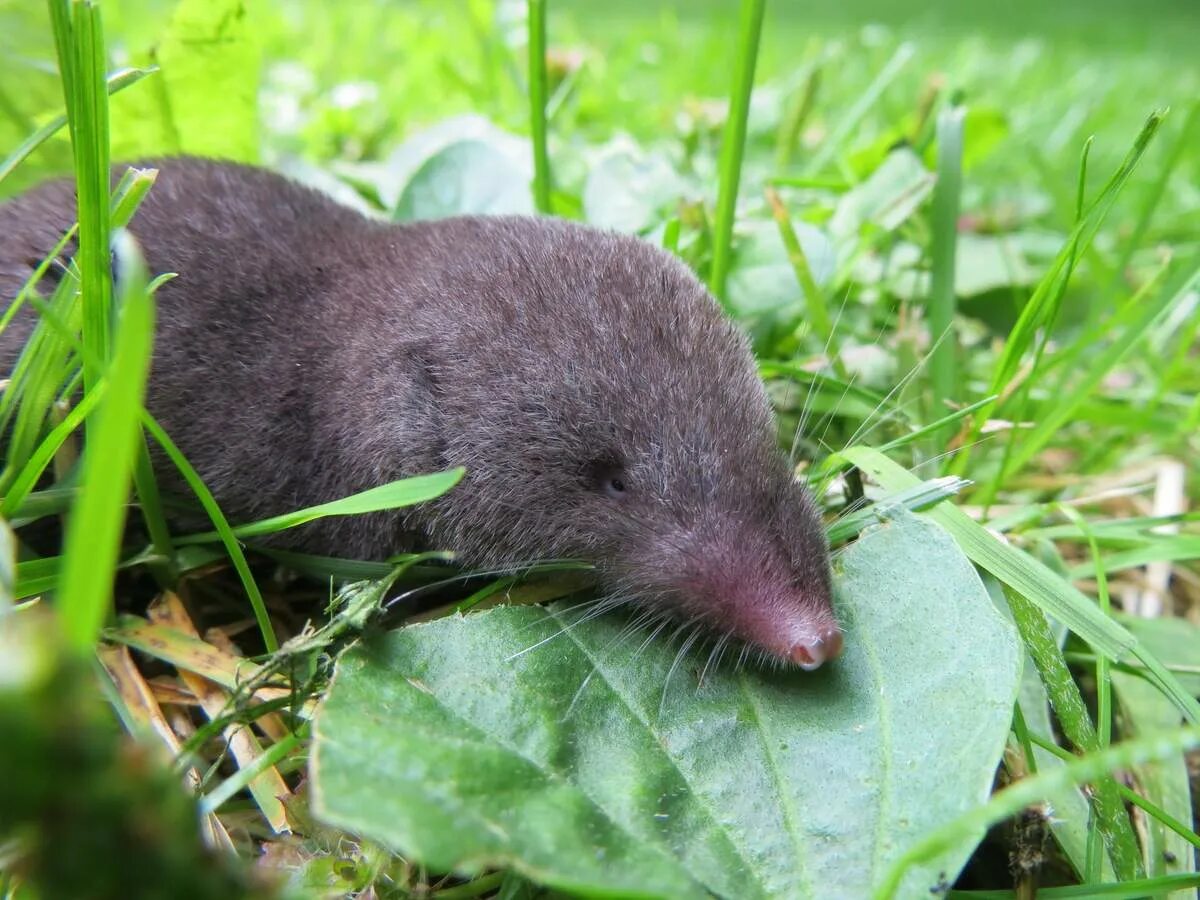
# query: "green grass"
965,241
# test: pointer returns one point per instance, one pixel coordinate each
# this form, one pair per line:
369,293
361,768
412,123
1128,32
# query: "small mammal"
603,406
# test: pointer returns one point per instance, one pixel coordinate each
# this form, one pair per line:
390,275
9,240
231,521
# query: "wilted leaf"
594,764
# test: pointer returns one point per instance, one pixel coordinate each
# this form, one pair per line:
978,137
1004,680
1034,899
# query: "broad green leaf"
628,189
762,283
205,99
465,177
887,198
593,762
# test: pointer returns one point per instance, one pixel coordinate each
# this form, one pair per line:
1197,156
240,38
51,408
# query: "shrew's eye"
614,486
606,475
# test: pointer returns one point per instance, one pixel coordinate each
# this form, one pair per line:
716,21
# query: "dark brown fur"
305,352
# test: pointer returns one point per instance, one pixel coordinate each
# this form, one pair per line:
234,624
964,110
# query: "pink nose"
810,653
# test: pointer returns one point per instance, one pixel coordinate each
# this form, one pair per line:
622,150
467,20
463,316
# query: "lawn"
965,242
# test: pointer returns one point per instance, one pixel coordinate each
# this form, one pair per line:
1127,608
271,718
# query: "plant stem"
942,299
537,104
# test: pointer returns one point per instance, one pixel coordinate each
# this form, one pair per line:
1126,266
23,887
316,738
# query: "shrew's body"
602,404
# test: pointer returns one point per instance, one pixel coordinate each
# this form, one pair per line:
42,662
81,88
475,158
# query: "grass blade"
393,495
224,532
116,82
818,309
915,499
1124,890
733,143
88,111
1049,289
94,534
1011,800
1032,579
8,568
1068,705
854,116
27,478
1051,419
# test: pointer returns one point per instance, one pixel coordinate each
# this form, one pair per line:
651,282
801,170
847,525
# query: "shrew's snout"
809,653
747,586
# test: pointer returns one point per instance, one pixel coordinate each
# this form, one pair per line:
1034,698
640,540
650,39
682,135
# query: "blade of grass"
1126,890
27,478
1014,798
733,143
243,777
27,289
859,401
88,112
818,309
61,27
1186,142
936,427
117,81
395,494
943,301
1053,416
854,116
221,524
1163,548
39,504
190,654
1103,681
1133,797
915,499
670,240
1032,579
537,104
798,111
44,367
132,189
97,519
8,568
1049,289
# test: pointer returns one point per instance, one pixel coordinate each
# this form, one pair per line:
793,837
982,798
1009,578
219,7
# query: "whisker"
901,384
679,657
806,410
579,693
713,657
941,456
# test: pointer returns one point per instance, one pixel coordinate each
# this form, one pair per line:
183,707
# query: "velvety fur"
305,352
